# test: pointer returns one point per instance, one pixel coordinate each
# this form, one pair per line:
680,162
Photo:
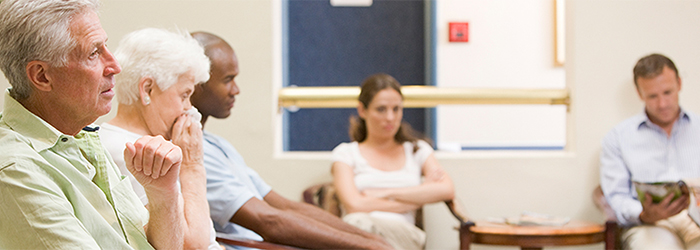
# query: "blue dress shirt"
639,150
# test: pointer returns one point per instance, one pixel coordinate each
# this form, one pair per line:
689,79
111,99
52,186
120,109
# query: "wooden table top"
535,237
574,227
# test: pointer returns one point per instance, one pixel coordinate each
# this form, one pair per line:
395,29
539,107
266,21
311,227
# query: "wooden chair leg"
611,235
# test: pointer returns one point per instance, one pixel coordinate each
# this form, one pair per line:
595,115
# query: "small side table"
532,237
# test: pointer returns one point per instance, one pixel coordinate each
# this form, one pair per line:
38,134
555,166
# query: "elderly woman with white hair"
159,72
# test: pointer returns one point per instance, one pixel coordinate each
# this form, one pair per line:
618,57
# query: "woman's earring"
147,100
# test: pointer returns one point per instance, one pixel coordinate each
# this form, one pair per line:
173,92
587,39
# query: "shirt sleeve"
424,151
236,158
35,214
615,182
226,192
343,153
260,184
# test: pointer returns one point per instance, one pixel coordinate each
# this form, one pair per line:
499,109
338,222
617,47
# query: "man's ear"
198,91
639,93
145,88
199,87
37,72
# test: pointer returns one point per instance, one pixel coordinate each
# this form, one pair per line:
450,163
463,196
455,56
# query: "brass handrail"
421,96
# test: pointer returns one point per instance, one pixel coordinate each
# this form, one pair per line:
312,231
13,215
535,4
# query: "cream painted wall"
511,45
604,40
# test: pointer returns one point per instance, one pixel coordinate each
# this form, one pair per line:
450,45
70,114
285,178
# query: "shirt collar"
40,134
643,119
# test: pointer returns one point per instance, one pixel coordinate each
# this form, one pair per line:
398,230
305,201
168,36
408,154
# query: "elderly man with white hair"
59,189
159,71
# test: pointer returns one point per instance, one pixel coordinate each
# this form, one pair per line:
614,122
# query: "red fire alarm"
459,32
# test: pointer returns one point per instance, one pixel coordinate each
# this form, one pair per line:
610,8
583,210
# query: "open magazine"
532,219
659,190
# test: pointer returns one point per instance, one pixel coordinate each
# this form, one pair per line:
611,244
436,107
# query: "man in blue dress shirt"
661,144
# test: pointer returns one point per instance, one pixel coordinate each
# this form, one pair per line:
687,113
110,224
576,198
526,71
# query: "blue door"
341,46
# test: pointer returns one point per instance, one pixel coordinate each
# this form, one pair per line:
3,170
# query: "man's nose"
111,65
234,89
664,101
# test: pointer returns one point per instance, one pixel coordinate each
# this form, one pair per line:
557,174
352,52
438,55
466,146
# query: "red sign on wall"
459,32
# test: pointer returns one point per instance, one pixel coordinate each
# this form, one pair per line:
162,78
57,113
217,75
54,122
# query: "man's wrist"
192,161
643,220
162,193
192,167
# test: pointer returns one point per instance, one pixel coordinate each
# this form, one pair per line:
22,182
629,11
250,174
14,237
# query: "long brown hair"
369,88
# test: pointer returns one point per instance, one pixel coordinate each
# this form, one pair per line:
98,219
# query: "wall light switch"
459,32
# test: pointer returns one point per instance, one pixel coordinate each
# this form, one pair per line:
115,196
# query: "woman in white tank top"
387,173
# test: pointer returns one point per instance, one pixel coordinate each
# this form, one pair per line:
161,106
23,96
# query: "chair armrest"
612,230
253,244
465,235
457,211
323,196
602,204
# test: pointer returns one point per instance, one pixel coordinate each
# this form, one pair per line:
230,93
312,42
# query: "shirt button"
64,139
